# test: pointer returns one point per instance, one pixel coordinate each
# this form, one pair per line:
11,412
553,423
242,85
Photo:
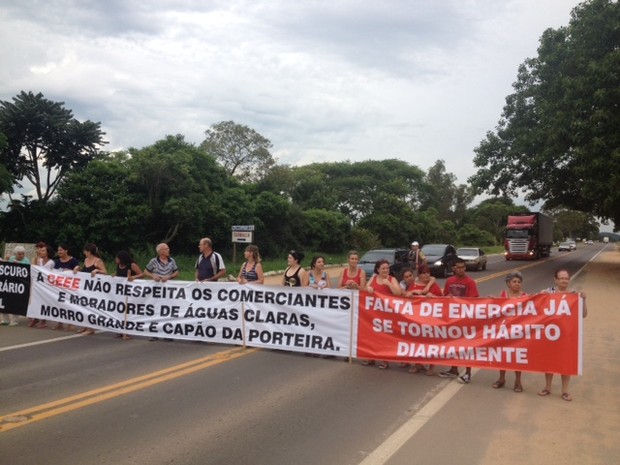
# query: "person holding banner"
93,263
251,271
210,264
318,278
352,277
65,262
382,282
126,267
19,256
514,281
295,275
423,285
562,281
163,267
44,259
459,285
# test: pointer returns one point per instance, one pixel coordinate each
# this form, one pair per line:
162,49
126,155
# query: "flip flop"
518,388
498,384
566,396
544,392
414,369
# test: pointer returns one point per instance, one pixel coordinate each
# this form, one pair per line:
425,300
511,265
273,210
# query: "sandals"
498,384
518,388
367,362
544,392
566,396
414,369
384,365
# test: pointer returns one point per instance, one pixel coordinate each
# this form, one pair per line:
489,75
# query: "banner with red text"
540,333
297,319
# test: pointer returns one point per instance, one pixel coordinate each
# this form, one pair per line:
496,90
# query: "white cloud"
419,80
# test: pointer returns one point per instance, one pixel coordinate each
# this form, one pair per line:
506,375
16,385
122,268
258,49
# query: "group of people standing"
461,285
416,281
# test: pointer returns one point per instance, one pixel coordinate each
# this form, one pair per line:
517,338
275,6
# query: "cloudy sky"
418,80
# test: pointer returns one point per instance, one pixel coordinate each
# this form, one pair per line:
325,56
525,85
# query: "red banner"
539,333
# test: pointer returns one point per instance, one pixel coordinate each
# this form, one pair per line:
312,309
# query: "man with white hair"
163,267
19,256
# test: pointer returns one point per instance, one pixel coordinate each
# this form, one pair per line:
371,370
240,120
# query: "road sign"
247,227
242,236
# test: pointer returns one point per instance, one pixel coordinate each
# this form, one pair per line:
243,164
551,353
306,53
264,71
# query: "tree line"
557,142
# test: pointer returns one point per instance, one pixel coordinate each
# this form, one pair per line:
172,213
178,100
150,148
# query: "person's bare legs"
565,395
547,390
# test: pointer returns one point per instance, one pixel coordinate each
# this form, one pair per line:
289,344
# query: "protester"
382,282
562,281
251,271
93,263
352,276
44,258
514,283
65,262
423,285
19,256
459,285
295,275
415,256
210,264
163,267
126,267
318,277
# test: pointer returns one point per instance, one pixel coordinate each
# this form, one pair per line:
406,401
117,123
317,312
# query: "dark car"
440,258
475,258
397,259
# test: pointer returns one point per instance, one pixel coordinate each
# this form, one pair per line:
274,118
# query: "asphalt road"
70,399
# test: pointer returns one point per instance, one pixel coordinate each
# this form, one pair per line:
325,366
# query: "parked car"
475,258
440,258
396,257
573,245
565,246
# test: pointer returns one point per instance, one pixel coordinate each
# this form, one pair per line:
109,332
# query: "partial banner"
297,319
541,333
14,288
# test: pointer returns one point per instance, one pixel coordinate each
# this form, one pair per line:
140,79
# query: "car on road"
565,246
397,258
475,258
440,258
573,245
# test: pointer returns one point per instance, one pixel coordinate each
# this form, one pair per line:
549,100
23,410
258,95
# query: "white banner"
297,319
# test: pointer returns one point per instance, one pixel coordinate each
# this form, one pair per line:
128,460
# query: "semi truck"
529,236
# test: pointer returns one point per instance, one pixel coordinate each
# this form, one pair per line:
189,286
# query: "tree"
491,214
440,192
326,231
6,181
573,224
242,151
558,139
45,142
184,188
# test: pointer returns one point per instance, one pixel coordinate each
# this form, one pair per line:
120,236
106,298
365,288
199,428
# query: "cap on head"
415,243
